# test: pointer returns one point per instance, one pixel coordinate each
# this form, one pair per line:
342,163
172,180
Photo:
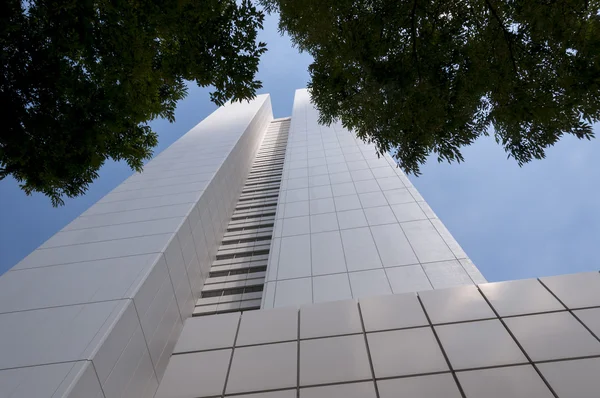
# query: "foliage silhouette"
80,79
417,77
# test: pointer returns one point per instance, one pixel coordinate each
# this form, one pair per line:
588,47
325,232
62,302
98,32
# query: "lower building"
276,258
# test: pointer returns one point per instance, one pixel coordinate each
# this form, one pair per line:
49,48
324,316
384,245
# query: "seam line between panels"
570,310
437,338
518,344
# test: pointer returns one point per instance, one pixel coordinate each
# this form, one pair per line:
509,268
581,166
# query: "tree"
431,76
81,79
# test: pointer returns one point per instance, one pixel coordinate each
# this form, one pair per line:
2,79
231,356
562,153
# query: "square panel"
76,283
217,331
296,209
273,260
330,319
263,367
316,161
576,290
372,199
392,245
426,242
83,382
177,270
158,323
125,367
350,390
357,164
520,297
408,212
346,188
342,176
331,288
132,216
590,318
415,194
294,257
320,192
427,210
556,335
366,186
573,379
431,386
195,375
453,245
319,206
380,215
405,352
388,183
375,161
398,196
348,144
296,164
505,382
297,173
457,304
282,326
293,292
74,332
333,360
268,299
119,231
479,344
296,183
473,272
95,251
445,274
148,191
381,172
352,219
317,153
145,203
327,253
392,312
296,226
337,167
410,278
359,175
350,202
296,195
369,283
30,381
360,250
323,222
317,170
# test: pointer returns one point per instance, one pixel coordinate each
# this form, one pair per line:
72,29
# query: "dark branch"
414,37
505,32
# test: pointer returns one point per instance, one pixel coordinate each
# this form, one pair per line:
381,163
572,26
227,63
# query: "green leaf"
81,79
430,77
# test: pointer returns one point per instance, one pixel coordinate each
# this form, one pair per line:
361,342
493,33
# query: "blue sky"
542,219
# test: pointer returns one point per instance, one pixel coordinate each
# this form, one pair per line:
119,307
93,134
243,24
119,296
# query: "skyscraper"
274,258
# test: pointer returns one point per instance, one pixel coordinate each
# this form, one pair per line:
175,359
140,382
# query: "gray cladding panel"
96,310
351,223
443,343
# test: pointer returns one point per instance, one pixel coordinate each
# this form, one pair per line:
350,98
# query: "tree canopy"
418,77
81,79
